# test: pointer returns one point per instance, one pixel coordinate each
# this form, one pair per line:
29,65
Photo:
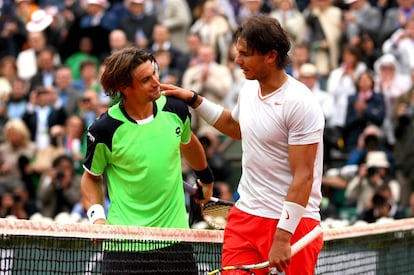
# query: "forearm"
217,116
193,152
92,190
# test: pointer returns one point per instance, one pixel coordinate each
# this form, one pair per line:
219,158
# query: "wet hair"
119,67
263,34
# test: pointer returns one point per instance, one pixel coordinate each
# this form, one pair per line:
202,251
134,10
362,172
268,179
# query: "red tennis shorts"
248,238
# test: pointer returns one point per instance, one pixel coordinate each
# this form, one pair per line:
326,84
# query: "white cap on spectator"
350,1
137,1
385,60
308,70
102,3
39,21
377,159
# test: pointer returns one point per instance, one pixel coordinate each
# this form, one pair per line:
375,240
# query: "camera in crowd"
372,171
60,174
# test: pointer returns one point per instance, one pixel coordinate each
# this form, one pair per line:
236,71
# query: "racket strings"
215,215
217,210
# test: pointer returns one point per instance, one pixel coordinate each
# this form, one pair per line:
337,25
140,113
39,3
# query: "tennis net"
36,247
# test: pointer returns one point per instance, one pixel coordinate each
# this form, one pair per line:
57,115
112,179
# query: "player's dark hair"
263,34
119,67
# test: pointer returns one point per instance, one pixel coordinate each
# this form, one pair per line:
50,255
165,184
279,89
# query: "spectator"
249,8
117,41
43,112
390,82
46,69
361,16
74,141
97,23
8,68
341,82
168,75
308,75
45,21
364,108
176,16
382,206
66,93
161,38
84,52
16,204
214,29
137,24
211,79
17,144
89,79
372,174
27,59
59,190
40,165
371,139
323,21
24,9
300,55
88,107
12,31
18,99
400,44
291,19
395,18
370,50
190,58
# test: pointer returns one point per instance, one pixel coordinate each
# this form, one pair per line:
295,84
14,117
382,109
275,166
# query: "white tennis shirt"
290,115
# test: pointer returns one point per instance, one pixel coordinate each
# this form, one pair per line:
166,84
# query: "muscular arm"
225,124
92,192
194,153
301,160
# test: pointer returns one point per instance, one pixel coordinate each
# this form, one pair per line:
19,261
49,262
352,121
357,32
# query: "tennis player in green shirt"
138,143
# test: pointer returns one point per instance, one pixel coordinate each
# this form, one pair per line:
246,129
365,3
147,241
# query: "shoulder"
105,125
174,105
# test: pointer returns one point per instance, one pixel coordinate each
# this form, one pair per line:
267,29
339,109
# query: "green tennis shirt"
142,163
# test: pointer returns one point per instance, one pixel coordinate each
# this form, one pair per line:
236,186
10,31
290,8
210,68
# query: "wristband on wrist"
290,217
95,212
205,176
193,99
209,111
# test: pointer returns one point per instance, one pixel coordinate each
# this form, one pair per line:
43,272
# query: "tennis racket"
214,212
296,247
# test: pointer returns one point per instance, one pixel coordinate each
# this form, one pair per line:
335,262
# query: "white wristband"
96,212
290,217
209,111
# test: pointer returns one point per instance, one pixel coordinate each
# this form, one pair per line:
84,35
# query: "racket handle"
197,191
188,188
305,240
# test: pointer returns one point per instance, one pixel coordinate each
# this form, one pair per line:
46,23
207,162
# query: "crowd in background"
357,56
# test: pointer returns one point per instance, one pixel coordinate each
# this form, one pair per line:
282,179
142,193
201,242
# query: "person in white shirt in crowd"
341,82
392,83
211,79
27,59
401,45
214,29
